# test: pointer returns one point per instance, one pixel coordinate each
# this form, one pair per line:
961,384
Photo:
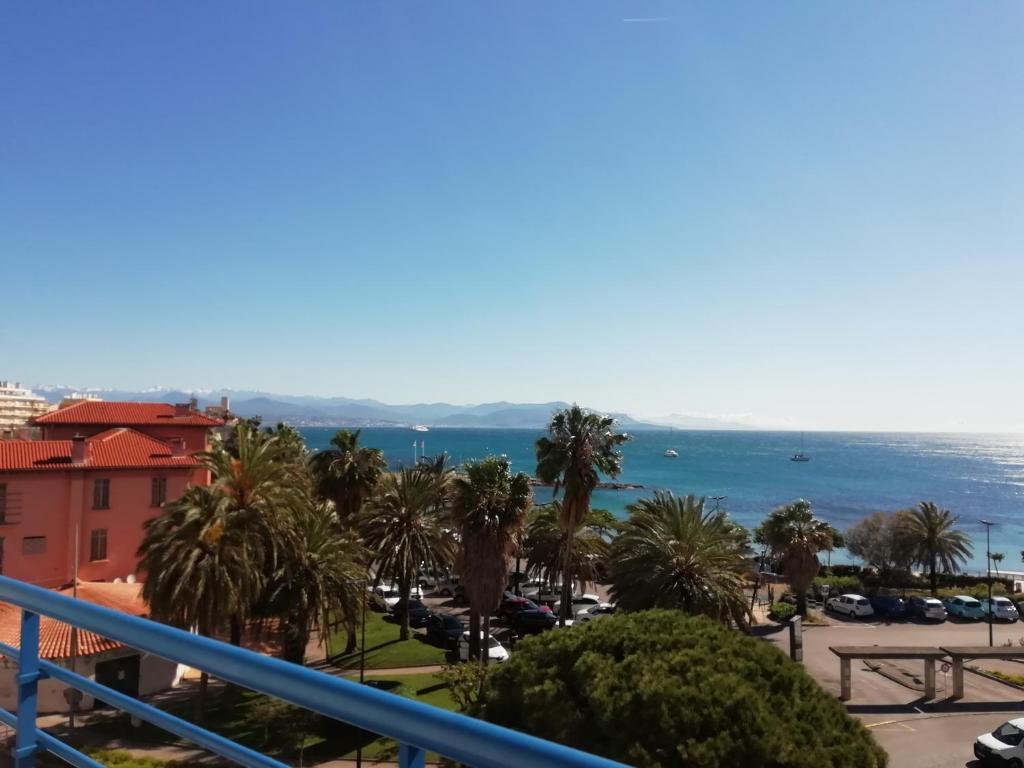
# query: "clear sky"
808,213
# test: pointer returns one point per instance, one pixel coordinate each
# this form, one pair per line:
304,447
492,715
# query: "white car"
1001,608
598,611
1003,745
447,587
579,603
855,606
496,652
385,596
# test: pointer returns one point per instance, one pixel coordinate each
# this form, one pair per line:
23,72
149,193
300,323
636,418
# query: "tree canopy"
666,690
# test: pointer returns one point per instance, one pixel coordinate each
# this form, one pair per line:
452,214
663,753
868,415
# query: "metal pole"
74,694
362,666
988,560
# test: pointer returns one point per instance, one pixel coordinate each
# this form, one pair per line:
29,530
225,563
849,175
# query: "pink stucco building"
102,469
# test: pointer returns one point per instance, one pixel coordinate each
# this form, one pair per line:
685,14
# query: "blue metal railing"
418,728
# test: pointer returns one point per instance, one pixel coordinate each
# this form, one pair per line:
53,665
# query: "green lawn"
384,649
277,729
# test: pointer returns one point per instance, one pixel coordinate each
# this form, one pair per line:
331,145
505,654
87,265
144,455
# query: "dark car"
927,608
418,612
444,630
511,605
889,606
534,620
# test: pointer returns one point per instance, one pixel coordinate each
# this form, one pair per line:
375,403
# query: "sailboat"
800,456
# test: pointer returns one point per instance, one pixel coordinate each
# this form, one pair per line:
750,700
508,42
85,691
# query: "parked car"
855,606
544,595
418,612
510,606
964,606
1003,746
534,620
495,651
930,608
579,602
889,606
430,579
384,596
595,612
444,630
1000,608
447,586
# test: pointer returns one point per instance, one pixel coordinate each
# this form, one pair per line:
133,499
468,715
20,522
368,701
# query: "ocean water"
850,474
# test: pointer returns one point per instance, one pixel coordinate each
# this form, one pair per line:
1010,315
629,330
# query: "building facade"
18,407
80,497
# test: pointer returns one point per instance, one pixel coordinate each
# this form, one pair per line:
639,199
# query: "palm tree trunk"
404,589
567,575
351,642
933,577
200,708
474,634
296,638
235,631
801,603
485,652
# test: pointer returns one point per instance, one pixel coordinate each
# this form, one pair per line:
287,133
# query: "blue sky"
809,213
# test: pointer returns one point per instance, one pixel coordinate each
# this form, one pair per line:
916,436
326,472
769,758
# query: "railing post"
411,757
25,745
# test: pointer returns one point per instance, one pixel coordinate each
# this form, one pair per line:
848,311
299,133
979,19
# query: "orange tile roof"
55,636
124,415
119,448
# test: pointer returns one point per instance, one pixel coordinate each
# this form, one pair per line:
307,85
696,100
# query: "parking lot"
915,732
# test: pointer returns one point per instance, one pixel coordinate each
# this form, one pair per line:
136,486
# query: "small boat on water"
800,455
420,428
670,454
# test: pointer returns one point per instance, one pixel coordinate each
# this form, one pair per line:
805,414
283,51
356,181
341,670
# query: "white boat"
420,428
800,456
670,454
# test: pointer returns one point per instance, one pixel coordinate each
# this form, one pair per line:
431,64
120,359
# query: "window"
98,544
101,494
33,545
3,502
158,492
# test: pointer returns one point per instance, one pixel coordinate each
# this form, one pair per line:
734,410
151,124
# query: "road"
916,733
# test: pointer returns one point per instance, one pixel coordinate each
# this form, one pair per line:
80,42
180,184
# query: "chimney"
178,447
225,404
78,449
183,409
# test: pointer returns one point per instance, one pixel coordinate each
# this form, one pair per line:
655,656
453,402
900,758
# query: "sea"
850,474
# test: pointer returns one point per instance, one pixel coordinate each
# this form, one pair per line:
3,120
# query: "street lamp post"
718,500
988,560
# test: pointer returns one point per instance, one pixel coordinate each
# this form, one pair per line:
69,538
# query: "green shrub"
118,758
662,689
782,611
837,585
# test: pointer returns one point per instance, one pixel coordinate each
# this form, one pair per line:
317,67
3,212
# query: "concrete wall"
155,675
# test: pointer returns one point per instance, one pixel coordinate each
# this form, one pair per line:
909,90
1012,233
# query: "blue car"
889,606
965,607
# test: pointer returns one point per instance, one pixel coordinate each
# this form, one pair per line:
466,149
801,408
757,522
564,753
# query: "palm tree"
320,577
997,558
347,473
546,545
403,527
579,448
936,541
672,553
796,536
489,509
201,557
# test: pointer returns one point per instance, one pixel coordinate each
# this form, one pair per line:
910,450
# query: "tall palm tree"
321,576
997,558
346,473
201,557
547,543
403,527
936,541
796,536
672,553
579,448
489,509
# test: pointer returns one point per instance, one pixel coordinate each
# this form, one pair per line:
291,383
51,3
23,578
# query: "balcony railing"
418,728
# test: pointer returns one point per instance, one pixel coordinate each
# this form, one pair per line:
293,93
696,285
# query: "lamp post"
718,500
988,560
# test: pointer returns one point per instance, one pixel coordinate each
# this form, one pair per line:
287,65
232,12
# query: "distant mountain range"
308,411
